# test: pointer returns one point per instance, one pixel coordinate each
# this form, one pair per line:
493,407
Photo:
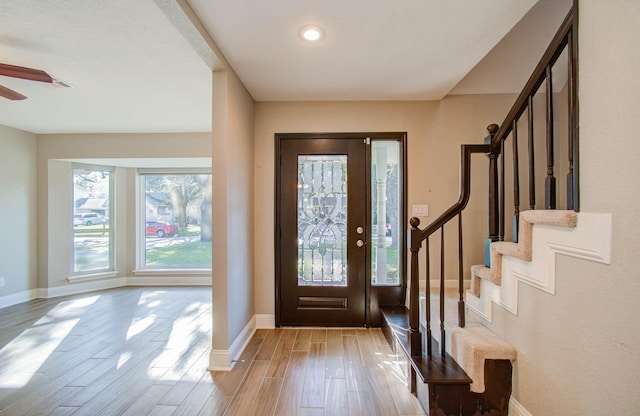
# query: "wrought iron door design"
321,243
322,220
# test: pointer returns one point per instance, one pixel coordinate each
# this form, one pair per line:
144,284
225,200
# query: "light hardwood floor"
145,351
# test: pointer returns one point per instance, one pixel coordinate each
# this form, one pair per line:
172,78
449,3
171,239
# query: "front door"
321,242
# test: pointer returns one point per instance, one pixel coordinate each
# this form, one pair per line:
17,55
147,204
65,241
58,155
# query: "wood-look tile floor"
145,351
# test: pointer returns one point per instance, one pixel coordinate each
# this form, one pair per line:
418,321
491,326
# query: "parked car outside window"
90,218
161,229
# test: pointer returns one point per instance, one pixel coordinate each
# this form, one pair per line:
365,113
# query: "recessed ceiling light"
311,33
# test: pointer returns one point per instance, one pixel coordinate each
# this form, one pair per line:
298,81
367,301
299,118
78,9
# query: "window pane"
322,220
91,225
177,221
385,213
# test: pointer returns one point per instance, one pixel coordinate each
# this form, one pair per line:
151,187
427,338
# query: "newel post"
494,210
415,337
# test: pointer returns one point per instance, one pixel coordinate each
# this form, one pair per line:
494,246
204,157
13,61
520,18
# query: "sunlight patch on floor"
138,325
21,358
124,357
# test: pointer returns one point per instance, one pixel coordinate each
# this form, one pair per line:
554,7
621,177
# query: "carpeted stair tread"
471,346
521,249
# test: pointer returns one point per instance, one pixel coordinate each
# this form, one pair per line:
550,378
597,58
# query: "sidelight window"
386,249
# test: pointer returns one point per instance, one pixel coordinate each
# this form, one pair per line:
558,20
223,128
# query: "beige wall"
233,153
578,350
55,199
435,131
18,220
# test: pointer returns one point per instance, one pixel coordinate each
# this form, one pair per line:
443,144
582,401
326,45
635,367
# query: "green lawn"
195,254
97,230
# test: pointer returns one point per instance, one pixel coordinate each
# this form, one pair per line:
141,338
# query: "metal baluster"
428,295
516,182
442,332
461,317
571,185
501,212
550,180
532,169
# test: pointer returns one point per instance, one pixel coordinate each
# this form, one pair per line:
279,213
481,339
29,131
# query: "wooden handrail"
466,151
494,148
416,236
550,56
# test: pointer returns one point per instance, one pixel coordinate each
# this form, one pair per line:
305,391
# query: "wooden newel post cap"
415,222
492,129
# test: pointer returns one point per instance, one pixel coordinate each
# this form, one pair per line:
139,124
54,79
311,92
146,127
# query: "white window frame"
141,267
102,272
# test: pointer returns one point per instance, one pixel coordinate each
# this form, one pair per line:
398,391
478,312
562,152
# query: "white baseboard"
222,360
516,409
106,283
81,287
19,297
219,360
265,321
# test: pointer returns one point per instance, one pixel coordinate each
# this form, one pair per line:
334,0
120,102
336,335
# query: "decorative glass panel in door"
321,243
322,220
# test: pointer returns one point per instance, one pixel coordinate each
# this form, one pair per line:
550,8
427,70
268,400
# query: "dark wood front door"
321,241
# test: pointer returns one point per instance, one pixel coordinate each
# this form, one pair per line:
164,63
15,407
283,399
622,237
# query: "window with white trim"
174,221
92,249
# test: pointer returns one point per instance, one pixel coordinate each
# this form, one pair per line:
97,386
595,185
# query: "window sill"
172,272
92,276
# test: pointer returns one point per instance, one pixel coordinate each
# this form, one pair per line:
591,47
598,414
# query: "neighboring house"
158,207
97,205
578,349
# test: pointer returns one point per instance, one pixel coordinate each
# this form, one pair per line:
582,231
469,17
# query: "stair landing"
441,385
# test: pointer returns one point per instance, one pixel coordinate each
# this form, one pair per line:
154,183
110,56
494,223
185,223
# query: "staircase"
462,368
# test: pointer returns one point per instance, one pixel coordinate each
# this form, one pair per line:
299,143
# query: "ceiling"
372,50
130,68
140,66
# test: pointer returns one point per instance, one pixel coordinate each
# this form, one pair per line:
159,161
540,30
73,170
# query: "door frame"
375,296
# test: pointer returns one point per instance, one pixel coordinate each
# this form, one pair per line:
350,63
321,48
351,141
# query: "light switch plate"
420,210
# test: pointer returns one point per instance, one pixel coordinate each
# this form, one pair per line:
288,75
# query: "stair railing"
494,148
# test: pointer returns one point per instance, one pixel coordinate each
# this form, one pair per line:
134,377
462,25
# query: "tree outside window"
177,221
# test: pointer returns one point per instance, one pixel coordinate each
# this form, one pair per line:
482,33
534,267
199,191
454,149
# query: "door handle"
359,243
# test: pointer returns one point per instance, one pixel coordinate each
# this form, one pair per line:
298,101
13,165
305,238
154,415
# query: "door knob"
359,243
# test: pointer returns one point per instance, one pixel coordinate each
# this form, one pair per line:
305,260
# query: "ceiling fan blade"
24,73
10,94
